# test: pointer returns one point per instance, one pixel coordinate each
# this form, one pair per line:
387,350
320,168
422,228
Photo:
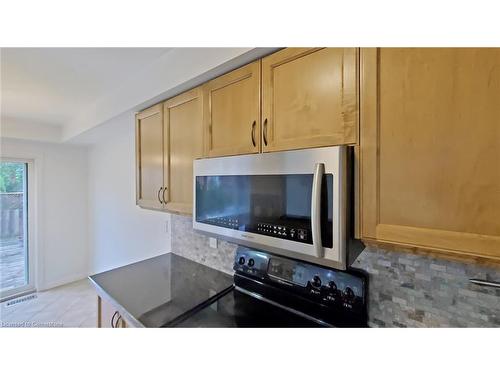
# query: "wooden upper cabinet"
232,112
309,98
183,142
149,157
430,148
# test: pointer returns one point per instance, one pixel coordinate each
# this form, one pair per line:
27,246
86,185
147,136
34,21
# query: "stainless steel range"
274,291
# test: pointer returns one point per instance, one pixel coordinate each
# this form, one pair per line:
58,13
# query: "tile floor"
70,305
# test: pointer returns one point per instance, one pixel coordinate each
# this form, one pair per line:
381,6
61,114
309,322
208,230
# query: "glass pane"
13,228
274,205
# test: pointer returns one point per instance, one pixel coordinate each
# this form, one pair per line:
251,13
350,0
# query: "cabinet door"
149,157
232,112
183,140
430,147
107,315
309,98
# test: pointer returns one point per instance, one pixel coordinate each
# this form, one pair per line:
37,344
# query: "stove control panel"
346,290
251,263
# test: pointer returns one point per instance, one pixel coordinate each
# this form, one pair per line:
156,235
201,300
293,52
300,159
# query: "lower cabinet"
430,147
108,316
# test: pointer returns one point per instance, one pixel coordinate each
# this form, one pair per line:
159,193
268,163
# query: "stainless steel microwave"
293,203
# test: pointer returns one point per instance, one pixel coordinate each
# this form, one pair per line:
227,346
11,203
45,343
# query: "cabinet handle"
163,195
265,132
253,133
118,321
493,284
113,319
159,192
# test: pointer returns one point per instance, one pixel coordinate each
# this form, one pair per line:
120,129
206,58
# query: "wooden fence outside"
11,215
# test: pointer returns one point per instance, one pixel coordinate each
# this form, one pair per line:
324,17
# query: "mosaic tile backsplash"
408,290
189,244
405,290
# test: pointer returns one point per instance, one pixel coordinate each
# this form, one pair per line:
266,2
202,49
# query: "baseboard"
63,281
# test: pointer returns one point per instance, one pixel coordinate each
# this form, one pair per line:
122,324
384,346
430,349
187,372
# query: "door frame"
30,202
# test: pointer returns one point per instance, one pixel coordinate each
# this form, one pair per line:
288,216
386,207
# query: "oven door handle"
319,171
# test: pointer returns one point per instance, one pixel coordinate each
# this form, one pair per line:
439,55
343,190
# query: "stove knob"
316,281
241,260
332,286
251,262
349,295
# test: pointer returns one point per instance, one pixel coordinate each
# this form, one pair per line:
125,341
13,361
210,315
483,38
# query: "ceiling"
73,94
50,86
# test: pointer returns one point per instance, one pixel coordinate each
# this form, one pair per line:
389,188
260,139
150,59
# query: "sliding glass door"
16,261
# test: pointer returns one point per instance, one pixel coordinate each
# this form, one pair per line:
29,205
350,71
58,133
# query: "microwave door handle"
319,171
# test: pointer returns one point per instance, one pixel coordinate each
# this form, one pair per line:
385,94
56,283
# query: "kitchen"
190,129
427,285
291,187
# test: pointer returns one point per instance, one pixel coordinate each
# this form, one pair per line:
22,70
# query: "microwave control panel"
282,231
287,232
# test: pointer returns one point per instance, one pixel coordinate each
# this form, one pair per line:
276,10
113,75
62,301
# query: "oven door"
291,203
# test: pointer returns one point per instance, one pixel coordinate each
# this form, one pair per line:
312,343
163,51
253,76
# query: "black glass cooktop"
237,309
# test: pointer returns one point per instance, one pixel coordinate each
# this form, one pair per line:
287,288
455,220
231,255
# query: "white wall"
88,220
61,224
29,130
120,232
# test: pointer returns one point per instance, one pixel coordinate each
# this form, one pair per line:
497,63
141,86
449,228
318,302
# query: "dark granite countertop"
155,291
